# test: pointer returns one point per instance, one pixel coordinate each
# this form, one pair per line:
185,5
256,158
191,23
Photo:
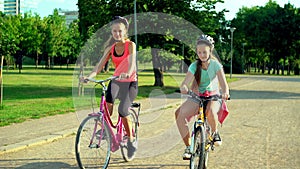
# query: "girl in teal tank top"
204,76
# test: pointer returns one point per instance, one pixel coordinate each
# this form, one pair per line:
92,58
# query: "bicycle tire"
198,153
208,145
88,153
123,145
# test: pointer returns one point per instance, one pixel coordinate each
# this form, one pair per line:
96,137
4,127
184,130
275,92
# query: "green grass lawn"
37,93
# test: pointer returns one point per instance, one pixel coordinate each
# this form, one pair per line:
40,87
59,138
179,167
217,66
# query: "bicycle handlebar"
202,97
102,81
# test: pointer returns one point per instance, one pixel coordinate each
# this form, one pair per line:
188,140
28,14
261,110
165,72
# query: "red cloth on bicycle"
223,113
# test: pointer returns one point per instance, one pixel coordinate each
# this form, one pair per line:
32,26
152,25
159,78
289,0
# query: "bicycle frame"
201,118
201,121
201,139
98,137
117,138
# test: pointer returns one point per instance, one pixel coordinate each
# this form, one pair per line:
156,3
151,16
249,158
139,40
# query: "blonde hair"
117,20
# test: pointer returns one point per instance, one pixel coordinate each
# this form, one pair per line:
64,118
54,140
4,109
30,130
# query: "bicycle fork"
197,124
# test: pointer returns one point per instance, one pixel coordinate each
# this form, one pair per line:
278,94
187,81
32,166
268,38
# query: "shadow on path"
46,165
254,94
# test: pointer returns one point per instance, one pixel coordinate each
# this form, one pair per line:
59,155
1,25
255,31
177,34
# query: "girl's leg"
112,93
110,107
186,110
128,92
212,110
128,126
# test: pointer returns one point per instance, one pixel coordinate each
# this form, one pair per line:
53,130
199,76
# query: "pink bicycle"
95,139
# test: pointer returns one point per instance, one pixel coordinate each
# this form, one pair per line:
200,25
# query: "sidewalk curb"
65,133
37,141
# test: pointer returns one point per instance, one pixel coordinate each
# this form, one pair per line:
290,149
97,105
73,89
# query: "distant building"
15,7
70,15
1,6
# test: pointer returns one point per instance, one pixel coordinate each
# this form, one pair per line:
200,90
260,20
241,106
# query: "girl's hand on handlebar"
184,89
124,76
225,96
84,79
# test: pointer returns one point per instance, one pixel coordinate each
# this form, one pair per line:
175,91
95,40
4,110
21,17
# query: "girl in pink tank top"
122,52
122,63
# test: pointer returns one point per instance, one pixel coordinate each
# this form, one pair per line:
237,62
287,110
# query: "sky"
46,7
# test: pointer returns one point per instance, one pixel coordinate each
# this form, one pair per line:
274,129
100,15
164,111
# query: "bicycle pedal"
185,158
136,105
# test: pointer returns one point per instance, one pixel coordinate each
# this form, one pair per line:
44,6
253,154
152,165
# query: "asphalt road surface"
262,131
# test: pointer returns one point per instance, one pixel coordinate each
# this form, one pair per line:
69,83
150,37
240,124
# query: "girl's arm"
189,77
223,84
101,63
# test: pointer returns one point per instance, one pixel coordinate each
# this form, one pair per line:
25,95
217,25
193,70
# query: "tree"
271,33
54,37
9,40
190,10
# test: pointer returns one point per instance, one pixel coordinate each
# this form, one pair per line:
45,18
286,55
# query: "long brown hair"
207,40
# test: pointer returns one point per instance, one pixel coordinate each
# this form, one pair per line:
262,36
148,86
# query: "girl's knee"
177,112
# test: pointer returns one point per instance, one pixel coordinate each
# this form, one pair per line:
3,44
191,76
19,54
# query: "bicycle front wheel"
198,154
134,123
92,143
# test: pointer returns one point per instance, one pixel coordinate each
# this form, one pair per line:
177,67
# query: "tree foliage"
271,34
46,40
94,14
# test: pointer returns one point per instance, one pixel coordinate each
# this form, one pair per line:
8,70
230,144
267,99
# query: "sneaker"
187,153
131,150
217,139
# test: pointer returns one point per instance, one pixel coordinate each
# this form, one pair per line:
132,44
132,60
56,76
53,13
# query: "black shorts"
126,92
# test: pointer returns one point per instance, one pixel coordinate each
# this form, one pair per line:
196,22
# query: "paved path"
262,131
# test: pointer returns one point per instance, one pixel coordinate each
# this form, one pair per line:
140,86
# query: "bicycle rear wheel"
134,123
198,154
92,145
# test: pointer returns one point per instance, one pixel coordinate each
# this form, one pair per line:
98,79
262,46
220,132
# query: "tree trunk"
158,74
20,60
20,65
49,62
249,67
283,65
1,82
274,68
37,60
263,67
296,69
288,68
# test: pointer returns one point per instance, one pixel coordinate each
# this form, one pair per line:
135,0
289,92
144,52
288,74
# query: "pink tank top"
121,63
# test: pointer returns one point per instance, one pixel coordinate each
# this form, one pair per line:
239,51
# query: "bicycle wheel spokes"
198,154
92,144
123,145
